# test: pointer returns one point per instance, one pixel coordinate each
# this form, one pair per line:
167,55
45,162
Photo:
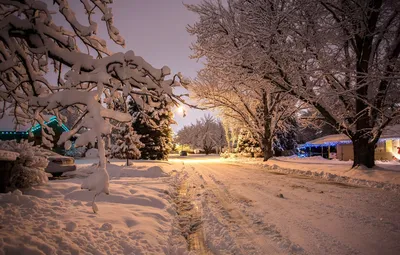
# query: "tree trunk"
206,150
127,160
266,142
364,152
267,148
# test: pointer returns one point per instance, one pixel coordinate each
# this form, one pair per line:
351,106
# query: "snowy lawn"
57,218
388,172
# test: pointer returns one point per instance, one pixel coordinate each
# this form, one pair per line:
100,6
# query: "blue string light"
307,145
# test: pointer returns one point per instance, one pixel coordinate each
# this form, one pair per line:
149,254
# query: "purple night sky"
155,30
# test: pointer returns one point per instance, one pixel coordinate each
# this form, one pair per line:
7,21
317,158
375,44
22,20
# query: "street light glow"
180,110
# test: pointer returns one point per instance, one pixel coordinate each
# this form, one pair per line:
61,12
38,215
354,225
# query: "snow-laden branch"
31,42
340,57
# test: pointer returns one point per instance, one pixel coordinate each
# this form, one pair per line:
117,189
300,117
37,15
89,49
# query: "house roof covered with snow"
391,132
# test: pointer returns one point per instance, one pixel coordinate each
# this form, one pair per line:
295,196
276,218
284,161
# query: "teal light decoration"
51,120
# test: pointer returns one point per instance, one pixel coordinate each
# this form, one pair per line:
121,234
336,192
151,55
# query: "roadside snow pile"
385,175
136,171
136,218
295,157
337,177
117,171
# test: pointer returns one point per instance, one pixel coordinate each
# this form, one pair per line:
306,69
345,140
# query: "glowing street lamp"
181,110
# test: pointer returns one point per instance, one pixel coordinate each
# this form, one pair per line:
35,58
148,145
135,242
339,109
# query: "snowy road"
247,210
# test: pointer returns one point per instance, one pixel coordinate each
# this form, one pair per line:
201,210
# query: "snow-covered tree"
340,57
246,143
88,73
207,134
155,131
126,143
231,129
251,102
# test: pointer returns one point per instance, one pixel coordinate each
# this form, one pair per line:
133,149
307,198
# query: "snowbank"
56,218
385,175
118,169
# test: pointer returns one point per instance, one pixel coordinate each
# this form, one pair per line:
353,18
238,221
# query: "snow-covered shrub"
92,153
29,167
76,152
226,154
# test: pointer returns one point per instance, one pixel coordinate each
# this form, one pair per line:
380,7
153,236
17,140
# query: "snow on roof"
389,132
338,138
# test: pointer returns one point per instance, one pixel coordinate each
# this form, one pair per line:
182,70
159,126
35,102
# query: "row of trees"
207,134
266,60
211,135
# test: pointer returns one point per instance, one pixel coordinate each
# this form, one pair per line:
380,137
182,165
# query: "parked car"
183,153
59,164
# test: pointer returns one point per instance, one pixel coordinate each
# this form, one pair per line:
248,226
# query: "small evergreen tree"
155,131
246,143
127,144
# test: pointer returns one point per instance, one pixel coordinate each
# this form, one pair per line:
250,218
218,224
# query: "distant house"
341,145
36,132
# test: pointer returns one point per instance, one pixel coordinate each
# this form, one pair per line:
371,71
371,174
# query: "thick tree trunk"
267,150
267,136
364,152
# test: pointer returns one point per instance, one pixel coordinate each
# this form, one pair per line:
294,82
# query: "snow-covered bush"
76,152
29,167
228,154
92,153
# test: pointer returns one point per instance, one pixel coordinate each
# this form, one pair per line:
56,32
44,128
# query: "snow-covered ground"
248,210
136,218
202,203
384,171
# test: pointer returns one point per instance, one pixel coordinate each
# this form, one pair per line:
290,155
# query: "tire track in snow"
326,220
189,218
326,242
248,240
